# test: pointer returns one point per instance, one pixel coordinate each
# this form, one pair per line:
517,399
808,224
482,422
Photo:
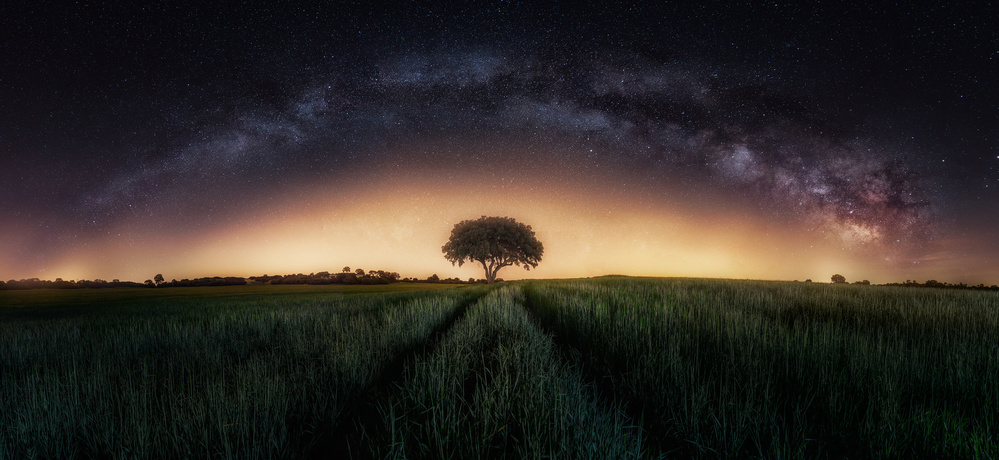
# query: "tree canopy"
494,242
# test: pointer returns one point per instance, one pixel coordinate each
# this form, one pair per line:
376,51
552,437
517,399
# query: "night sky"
712,139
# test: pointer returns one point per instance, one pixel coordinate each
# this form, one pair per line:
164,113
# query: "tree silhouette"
346,269
158,279
494,242
838,279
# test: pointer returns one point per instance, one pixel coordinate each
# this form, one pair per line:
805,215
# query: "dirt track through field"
606,384
361,418
491,385
362,430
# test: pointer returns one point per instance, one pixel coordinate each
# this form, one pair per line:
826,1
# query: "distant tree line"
35,283
59,283
346,276
212,281
358,276
455,280
943,285
840,279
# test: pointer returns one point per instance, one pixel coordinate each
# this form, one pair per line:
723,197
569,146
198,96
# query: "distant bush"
35,283
346,277
213,281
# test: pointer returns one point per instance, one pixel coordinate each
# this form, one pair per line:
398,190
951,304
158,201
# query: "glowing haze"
276,141
402,226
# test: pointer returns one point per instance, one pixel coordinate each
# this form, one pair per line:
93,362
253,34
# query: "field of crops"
767,369
223,374
598,368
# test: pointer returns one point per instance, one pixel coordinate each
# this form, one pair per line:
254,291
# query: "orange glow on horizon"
401,226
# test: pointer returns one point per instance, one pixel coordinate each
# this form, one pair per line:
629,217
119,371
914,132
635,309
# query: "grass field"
70,301
767,369
226,372
597,368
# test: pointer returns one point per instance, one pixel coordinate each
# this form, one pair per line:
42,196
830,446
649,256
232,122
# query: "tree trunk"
491,269
490,275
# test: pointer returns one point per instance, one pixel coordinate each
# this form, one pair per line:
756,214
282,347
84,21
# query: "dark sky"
734,139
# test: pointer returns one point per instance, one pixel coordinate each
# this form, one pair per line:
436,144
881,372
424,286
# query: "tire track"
498,388
361,420
606,382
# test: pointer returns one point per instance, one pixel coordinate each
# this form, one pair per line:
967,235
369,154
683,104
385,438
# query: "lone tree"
494,242
158,279
838,279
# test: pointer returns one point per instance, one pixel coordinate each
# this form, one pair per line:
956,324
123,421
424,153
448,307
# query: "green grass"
40,303
765,369
496,386
221,376
601,368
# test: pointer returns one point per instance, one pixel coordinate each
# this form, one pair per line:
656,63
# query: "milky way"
798,131
637,113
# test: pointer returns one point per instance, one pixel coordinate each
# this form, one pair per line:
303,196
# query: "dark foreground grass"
219,376
51,303
757,369
496,387
605,368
